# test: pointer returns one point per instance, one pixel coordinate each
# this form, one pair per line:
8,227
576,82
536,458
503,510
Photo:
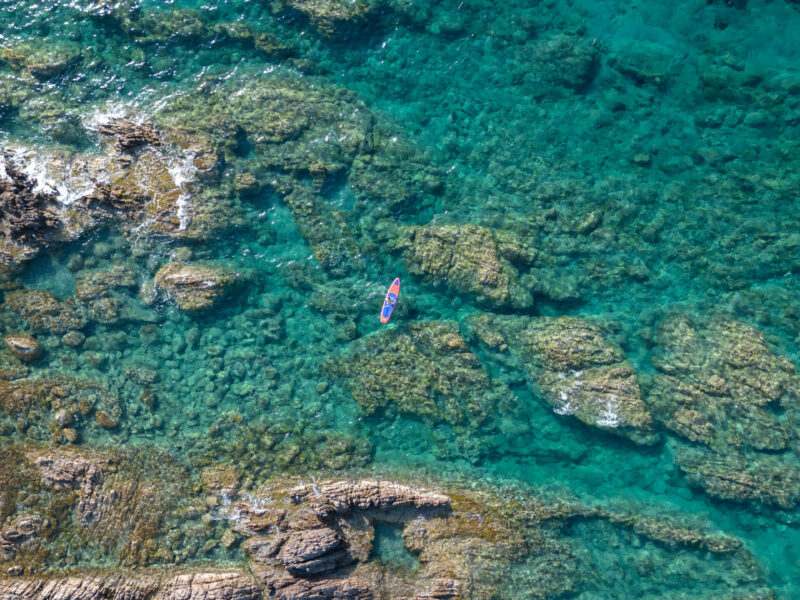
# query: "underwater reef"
588,387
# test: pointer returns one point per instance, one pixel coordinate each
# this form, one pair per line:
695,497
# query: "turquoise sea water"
647,151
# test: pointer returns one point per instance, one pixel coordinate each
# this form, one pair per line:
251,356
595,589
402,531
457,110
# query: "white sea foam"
610,417
67,180
109,112
3,174
182,170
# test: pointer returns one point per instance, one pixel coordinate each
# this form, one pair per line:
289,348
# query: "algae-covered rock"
721,387
40,58
33,402
331,17
575,368
742,477
292,126
427,371
107,296
471,259
23,346
44,312
195,286
565,60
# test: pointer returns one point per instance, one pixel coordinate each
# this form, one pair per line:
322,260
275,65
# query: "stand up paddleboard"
391,299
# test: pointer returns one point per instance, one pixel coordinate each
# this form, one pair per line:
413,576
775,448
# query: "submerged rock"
471,259
721,387
576,369
333,16
195,287
40,59
427,371
44,312
23,346
32,401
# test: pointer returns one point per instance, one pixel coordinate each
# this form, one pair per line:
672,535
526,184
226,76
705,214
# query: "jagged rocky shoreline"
315,538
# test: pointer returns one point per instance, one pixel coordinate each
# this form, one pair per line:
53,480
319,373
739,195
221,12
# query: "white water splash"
565,406
610,417
67,180
183,171
110,112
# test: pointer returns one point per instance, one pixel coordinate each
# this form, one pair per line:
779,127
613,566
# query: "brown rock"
443,589
23,346
70,435
211,586
313,552
319,589
342,497
105,420
129,135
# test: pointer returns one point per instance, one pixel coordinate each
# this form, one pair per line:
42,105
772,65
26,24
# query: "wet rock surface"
25,217
578,371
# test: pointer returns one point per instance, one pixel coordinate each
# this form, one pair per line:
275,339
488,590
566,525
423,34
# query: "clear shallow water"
673,129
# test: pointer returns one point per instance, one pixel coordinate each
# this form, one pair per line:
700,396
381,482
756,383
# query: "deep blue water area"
645,152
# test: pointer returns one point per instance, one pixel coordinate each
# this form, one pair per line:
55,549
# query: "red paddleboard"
391,299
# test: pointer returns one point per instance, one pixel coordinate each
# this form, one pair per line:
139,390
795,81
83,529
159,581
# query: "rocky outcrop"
26,220
67,472
574,367
391,499
128,135
20,533
224,585
734,404
195,287
334,17
319,539
23,346
471,259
